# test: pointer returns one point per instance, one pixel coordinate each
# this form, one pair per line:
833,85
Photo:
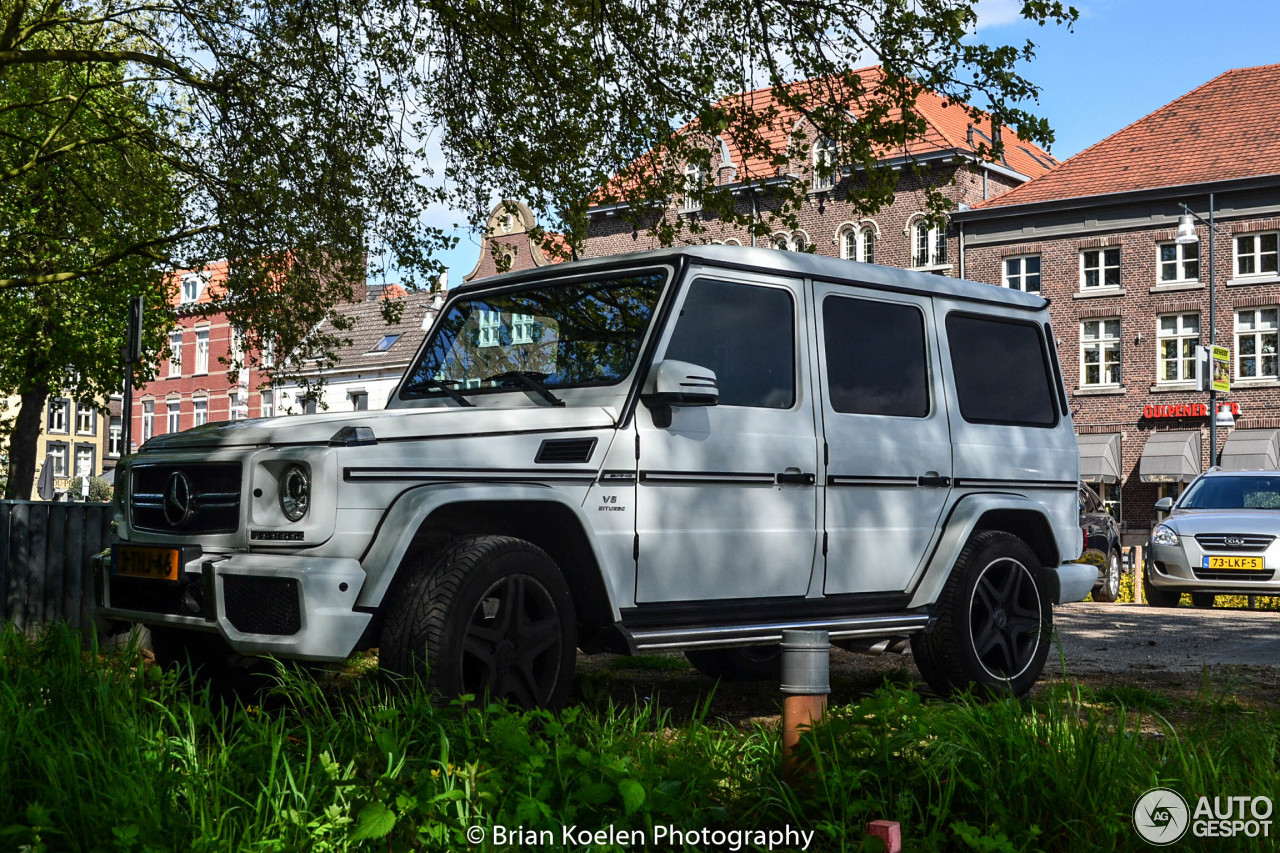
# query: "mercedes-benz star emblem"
178,506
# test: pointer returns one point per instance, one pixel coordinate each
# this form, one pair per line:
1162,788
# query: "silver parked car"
1219,539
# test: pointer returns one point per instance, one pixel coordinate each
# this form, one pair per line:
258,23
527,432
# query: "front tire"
746,663
1109,590
1157,597
491,616
995,621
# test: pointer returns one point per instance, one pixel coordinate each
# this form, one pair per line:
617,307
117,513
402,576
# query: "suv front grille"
257,605
186,498
1234,541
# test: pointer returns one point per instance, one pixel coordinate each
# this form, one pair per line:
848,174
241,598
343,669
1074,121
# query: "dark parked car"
1101,544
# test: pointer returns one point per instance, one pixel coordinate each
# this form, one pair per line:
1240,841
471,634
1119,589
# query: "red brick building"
898,235
509,244
194,386
1096,236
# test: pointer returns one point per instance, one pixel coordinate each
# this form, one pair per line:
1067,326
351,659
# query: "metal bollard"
806,681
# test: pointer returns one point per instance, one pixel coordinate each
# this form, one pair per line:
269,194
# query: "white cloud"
997,13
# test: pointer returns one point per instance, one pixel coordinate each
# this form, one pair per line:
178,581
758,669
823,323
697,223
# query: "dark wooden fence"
44,561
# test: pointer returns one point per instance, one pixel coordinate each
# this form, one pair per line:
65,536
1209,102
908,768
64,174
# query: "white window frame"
58,415
824,160
115,435
1021,279
858,243
928,245
1101,267
268,358
85,452
1184,364
56,452
173,415
193,284
1256,257
202,351
694,177
268,404
521,328
1097,338
1259,337
175,353
489,323
86,420
148,420
1184,255
200,411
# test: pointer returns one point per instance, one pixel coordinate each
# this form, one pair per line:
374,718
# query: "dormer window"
193,285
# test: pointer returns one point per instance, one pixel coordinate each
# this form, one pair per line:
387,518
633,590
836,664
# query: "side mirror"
678,383
1164,504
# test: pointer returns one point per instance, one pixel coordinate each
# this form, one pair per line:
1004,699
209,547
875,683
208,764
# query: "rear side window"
746,334
1002,371
876,357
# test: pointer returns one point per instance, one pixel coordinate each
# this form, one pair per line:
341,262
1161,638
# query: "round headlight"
1164,535
295,492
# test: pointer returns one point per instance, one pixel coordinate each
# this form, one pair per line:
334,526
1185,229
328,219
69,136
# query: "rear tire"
746,663
1203,600
995,621
491,616
1109,590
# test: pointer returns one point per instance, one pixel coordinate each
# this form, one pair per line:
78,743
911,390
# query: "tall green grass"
103,753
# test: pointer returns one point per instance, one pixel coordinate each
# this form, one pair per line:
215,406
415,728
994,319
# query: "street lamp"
1187,234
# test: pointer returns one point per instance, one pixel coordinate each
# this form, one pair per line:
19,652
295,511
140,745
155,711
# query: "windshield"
558,334
1233,493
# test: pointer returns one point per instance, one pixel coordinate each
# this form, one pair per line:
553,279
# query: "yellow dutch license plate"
135,561
1228,563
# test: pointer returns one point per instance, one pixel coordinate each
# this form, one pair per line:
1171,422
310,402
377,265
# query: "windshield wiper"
445,385
531,380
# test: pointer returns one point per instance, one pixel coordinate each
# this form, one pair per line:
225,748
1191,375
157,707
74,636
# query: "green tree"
296,133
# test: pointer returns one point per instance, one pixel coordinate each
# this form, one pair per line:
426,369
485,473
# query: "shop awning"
1252,449
1170,457
1100,457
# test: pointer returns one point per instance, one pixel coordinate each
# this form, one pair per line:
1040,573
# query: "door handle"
933,480
793,479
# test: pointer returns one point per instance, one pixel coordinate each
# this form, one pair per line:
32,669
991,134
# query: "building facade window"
824,164
86,420
1178,335
1256,343
192,286
1100,352
84,461
693,181
200,413
233,406
58,415
268,404
115,436
202,351
1179,262
490,322
175,352
359,401
928,245
148,419
859,244
1257,254
1022,273
796,242
1100,268
56,455
173,424
268,353
521,328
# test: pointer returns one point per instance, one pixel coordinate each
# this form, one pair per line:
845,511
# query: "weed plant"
106,753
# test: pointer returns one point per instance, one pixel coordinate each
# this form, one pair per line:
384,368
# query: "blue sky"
1123,59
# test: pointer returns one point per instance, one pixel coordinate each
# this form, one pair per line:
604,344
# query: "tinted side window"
876,357
1002,371
746,334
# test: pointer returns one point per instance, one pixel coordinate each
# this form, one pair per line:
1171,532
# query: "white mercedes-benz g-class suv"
691,449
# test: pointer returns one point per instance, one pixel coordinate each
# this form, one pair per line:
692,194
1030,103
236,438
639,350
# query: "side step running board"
648,640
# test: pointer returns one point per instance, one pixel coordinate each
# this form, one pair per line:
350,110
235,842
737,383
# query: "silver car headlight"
1164,535
295,492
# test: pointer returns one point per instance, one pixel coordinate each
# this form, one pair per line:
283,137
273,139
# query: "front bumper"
288,606
1181,567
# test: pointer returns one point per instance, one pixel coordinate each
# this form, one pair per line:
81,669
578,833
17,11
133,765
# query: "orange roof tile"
1228,128
948,128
